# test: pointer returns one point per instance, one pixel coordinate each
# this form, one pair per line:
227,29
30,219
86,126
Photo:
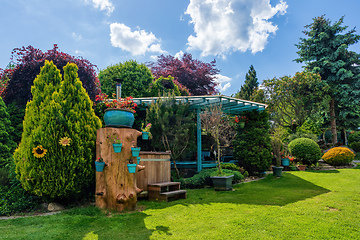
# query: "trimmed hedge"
305,150
338,156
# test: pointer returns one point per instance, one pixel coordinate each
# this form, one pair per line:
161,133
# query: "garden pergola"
229,105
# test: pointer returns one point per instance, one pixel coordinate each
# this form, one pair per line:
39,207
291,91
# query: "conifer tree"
7,145
250,86
57,147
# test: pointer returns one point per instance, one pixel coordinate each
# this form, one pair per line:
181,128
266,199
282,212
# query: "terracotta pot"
301,167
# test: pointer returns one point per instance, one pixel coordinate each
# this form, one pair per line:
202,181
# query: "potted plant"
119,113
146,131
292,165
276,150
99,164
135,151
217,124
285,161
131,166
241,121
116,142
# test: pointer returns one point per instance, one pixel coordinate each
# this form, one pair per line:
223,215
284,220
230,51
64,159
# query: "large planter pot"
135,151
145,135
285,162
241,124
301,167
99,166
277,171
222,183
131,167
117,147
115,117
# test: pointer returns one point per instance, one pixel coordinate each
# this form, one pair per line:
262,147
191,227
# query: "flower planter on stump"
99,166
145,135
135,151
116,117
117,147
132,167
222,183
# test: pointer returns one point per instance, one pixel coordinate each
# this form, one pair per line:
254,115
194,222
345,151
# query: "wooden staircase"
166,191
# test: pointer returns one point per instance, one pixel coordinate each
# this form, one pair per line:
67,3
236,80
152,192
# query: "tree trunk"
115,187
333,121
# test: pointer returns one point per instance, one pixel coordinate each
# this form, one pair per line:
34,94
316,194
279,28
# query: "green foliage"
136,79
250,86
203,178
17,113
163,85
252,143
305,150
4,177
231,166
355,146
7,145
338,156
297,135
59,109
293,100
354,137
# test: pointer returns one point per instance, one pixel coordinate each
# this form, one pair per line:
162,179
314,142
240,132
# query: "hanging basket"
117,147
99,166
145,135
135,151
131,167
116,117
285,162
138,160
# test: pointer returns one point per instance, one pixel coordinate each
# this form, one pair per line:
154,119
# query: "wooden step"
166,191
164,187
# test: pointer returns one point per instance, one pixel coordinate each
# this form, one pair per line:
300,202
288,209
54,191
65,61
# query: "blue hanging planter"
117,147
145,135
99,166
135,151
138,160
115,117
285,162
131,167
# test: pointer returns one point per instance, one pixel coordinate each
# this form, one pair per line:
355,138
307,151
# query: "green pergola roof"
229,105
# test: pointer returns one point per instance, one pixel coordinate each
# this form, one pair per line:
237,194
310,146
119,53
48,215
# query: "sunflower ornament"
39,151
65,141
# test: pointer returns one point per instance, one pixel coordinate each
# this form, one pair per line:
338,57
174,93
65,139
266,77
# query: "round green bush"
354,137
305,150
355,146
338,156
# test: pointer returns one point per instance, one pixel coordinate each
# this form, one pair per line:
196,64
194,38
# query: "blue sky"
236,33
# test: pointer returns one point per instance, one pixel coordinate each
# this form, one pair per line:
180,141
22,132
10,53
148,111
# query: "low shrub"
203,178
297,135
338,156
355,146
305,150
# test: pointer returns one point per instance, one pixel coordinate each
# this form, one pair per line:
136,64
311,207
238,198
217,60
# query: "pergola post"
198,131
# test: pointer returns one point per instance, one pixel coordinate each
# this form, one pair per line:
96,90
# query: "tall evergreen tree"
56,151
250,86
7,145
325,51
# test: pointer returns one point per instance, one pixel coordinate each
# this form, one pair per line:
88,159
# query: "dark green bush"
355,146
203,178
305,150
354,137
4,177
252,143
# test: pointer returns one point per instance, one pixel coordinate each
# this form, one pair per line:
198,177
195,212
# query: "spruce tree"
57,146
7,145
251,84
325,52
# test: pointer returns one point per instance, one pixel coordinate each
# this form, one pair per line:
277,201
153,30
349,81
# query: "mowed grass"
299,205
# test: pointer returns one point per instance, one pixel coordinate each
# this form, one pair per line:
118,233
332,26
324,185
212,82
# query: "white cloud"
179,54
77,37
224,82
136,42
103,5
223,26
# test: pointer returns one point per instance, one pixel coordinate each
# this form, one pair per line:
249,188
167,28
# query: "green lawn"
300,205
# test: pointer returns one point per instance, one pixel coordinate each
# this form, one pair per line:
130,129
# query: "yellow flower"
65,141
39,151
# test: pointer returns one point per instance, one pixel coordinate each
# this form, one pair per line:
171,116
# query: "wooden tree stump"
115,187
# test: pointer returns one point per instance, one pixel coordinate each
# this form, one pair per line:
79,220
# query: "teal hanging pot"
145,135
135,151
117,147
131,167
99,166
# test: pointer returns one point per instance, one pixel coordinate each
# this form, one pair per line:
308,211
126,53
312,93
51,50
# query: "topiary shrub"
355,146
338,156
305,150
54,159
